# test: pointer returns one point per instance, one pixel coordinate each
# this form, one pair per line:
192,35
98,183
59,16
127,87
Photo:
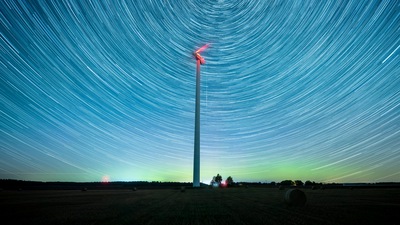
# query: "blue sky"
290,90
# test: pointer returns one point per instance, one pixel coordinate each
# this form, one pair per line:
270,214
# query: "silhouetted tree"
298,182
287,182
309,183
229,181
216,181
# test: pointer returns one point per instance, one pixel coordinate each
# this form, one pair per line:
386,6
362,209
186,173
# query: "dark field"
200,206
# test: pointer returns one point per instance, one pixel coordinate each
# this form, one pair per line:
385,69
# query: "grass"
200,206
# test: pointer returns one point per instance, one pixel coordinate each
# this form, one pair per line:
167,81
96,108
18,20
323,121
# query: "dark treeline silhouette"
10,184
315,185
19,185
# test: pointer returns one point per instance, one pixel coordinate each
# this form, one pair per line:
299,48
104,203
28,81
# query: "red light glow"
105,179
224,184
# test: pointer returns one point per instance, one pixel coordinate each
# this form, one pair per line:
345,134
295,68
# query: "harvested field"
200,206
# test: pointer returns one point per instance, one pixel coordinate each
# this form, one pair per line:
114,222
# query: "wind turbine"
196,160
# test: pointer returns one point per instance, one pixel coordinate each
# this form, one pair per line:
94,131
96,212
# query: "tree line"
217,181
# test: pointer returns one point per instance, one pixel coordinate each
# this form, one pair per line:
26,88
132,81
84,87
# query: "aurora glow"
305,90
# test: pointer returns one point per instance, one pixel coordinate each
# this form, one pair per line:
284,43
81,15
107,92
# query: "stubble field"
200,206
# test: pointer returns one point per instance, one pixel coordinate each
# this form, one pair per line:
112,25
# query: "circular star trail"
304,90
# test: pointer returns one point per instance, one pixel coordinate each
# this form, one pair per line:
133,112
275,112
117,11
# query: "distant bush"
287,183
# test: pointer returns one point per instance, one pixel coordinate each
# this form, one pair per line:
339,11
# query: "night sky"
105,90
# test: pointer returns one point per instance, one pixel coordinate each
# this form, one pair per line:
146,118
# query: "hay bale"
183,189
281,187
295,197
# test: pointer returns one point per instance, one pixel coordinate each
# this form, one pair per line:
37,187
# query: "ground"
200,206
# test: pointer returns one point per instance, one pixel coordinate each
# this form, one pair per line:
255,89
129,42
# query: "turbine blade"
202,48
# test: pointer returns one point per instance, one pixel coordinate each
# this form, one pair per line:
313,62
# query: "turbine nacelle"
198,57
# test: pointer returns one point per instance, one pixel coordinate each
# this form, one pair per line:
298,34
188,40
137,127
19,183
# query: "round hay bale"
182,189
134,189
281,187
295,197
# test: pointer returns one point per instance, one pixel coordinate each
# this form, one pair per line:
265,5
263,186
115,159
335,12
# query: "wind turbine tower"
196,160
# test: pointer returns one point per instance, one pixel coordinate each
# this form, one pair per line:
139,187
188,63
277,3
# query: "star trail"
306,90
